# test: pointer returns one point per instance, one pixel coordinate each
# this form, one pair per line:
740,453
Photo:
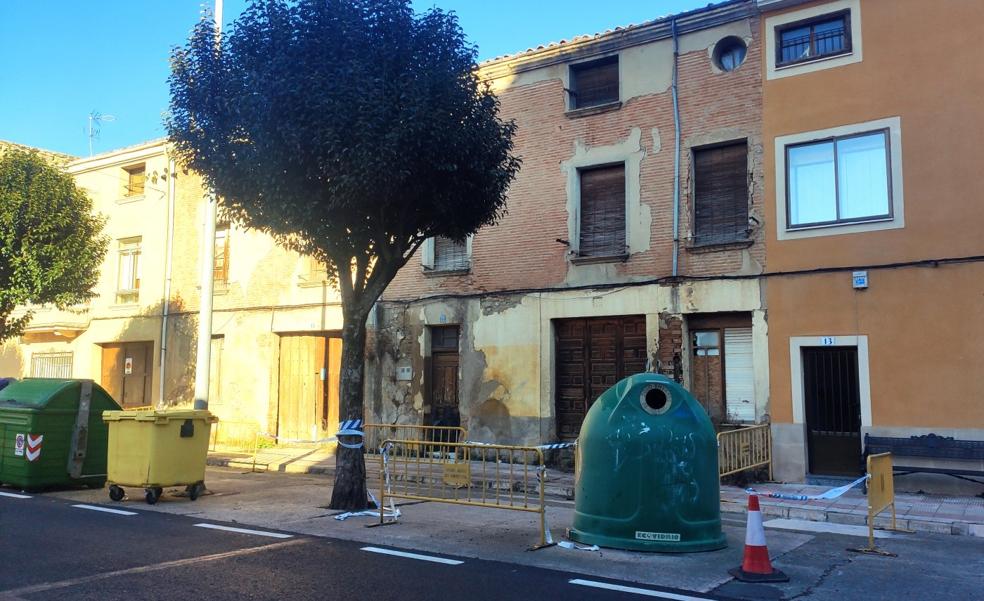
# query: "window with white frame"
128,284
841,179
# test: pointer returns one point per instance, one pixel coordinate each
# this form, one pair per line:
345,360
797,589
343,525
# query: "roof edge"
586,46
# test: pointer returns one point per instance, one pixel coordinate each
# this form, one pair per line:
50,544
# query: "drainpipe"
171,174
203,360
676,155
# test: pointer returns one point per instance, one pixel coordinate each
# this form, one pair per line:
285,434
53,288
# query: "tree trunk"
349,492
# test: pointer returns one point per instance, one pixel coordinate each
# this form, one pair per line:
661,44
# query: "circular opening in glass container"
655,400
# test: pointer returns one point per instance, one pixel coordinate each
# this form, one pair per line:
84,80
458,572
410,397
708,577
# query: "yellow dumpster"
153,449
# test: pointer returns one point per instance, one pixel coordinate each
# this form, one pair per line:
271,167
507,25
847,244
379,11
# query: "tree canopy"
351,131
51,243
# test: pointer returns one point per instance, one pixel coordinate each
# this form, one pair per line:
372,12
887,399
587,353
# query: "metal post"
203,362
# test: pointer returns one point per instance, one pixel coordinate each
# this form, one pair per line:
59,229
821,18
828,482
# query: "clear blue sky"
62,59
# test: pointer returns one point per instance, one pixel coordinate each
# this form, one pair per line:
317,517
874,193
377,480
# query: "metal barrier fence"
376,434
744,448
881,496
477,475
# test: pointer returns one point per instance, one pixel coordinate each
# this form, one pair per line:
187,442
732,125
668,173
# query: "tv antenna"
96,119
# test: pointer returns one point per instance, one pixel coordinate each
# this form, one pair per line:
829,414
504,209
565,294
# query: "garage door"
592,355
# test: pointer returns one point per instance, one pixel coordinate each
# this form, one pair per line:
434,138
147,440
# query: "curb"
562,491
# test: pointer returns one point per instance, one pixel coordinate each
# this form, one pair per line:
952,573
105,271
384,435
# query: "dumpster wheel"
116,493
153,494
196,490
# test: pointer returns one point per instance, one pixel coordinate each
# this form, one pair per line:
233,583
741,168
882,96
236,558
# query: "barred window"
51,365
812,39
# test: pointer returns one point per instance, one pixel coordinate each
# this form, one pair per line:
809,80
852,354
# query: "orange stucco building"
875,292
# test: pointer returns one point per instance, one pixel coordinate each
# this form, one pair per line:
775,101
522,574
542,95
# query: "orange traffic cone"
756,566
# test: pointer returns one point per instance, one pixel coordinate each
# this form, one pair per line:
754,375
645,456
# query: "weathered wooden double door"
310,366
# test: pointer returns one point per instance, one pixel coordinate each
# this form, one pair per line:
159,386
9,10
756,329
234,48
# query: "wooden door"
444,378
308,386
127,372
593,354
833,410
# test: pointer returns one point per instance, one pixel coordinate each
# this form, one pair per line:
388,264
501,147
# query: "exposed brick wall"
521,251
669,355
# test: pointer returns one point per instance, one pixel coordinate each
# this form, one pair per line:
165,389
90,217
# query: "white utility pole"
204,357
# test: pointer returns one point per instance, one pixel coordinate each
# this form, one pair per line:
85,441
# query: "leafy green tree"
349,130
51,243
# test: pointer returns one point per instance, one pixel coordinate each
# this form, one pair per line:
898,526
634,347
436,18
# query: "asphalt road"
51,548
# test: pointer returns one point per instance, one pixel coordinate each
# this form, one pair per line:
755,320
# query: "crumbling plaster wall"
506,386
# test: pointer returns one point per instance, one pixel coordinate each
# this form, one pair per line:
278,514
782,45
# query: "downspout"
171,169
676,155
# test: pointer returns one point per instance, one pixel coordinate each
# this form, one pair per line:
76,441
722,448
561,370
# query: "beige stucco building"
274,350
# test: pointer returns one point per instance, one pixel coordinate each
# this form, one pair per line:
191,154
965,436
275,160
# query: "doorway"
127,372
444,377
310,366
722,374
592,355
832,400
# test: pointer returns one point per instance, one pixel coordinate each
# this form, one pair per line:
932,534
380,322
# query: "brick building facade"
514,333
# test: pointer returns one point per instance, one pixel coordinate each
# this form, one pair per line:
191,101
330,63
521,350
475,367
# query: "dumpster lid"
33,392
158,415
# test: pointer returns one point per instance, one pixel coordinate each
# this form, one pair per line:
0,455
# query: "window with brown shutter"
594,83
450,255
721,194
602,212
135,177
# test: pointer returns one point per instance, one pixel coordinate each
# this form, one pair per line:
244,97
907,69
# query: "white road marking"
245,531
106,509
47,586
450,562
637,591
831,528
14,495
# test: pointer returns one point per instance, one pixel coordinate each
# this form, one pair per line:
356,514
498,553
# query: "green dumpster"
52,433
647,470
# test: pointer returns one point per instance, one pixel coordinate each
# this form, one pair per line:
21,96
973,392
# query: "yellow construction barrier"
881,496
477,475
377,433
744,448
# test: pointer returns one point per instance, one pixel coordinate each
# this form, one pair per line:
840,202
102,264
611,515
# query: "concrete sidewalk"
938,514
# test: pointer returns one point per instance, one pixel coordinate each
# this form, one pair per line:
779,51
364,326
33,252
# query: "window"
450,255
594,83
51,365
136,176
721,194
812,39
128,286
315,272
729,53
220,265
602,210
842,179
441,255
